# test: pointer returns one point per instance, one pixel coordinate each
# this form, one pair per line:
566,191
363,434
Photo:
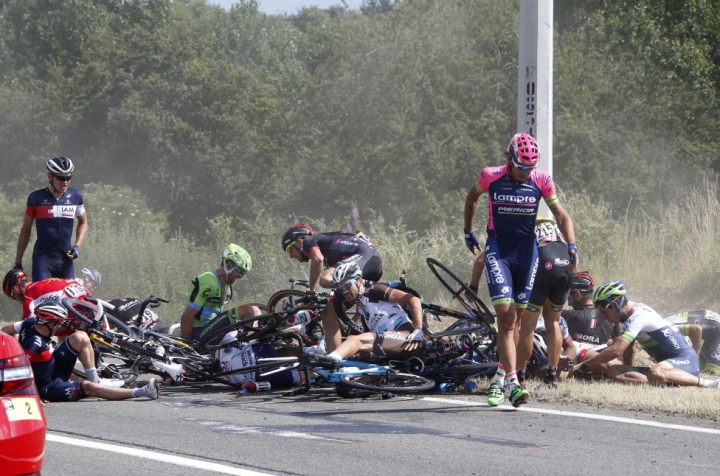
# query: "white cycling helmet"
91,274
60,166
346,271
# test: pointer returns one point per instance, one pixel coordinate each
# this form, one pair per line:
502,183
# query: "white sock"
92,375
335,355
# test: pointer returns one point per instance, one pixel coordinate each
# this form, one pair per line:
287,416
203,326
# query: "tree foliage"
235,115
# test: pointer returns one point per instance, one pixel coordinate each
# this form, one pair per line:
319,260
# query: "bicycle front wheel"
393,382
460,291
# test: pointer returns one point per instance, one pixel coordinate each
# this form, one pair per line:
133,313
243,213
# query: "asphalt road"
210,430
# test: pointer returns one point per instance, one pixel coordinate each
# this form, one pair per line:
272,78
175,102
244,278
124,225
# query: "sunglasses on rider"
522,168
62,178
346,286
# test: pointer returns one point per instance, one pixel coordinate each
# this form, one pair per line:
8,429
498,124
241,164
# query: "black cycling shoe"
315,360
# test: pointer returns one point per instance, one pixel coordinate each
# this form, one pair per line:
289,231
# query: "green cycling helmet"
610,291
235,256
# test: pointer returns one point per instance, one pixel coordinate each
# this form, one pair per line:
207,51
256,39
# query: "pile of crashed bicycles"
460,343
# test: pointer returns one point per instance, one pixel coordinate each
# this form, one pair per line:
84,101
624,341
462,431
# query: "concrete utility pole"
535,77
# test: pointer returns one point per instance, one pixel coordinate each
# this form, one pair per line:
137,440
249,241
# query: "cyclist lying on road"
52,369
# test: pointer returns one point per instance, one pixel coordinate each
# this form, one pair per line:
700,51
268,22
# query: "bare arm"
471,204
694,332
186,323
82,230
9,329
615,351
316,267
24,238
629,355
416,315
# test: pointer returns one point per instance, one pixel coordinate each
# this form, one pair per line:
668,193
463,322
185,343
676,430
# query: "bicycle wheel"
460,291
289,299
255,328
393,382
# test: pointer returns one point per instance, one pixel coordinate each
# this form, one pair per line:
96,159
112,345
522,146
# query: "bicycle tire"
349,325
120,326
289,299
266,324
460,291
394,382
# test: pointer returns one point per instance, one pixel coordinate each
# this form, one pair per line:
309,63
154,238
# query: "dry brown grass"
689,402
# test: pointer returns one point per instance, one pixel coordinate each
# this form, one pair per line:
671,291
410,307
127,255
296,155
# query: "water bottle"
252,387
470,385
443,387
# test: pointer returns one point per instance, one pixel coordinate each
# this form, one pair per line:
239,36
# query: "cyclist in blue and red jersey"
53,210
514,193
327,251
52,368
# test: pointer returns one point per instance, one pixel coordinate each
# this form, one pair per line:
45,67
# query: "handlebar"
152,301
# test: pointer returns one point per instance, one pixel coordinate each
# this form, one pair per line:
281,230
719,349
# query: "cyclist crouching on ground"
392,334
330,251
677,363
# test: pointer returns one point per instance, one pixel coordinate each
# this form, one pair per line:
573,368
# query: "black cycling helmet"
293,233
60,166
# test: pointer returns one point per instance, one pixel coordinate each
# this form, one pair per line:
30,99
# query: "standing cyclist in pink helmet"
514,192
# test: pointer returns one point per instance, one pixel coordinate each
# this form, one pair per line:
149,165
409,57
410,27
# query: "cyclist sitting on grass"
209,293
52,369
331,250
676,364
392,333
586,328
703,329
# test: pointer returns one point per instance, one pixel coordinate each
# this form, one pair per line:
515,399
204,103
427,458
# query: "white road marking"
592,416
165,458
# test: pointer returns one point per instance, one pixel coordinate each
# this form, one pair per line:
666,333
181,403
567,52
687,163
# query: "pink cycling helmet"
523,150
